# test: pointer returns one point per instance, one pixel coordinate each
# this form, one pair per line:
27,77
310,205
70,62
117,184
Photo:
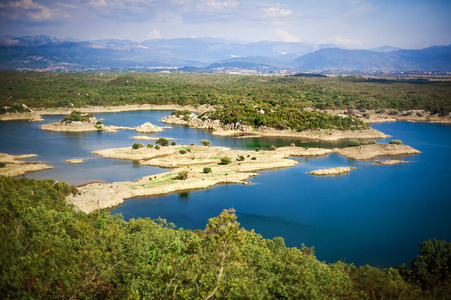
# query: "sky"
408,24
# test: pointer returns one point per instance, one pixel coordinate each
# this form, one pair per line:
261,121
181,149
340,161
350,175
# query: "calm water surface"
375,215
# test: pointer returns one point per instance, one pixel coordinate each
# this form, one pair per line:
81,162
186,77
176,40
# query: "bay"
375,215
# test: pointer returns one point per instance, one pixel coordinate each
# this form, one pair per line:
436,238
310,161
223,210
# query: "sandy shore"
15,167
246,131
389,162
331,171
29,116
148,138
369,151
327,135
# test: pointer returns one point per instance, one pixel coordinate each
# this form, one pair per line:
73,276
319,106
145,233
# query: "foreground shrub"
395,142
157,147
173,143
207,170
149,145
353,143
182,151
241,158
272,148
370,142
137,145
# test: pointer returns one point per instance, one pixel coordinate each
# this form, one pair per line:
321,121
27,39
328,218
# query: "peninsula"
12,165
196,167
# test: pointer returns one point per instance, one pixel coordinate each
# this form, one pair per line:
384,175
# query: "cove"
375,215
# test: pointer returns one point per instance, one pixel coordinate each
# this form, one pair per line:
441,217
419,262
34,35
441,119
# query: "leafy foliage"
225,160
76,116
205,142
396,142
51,251
162,141
182,175
137,145
353,143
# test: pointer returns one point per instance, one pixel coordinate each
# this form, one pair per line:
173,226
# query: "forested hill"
51,251
269,93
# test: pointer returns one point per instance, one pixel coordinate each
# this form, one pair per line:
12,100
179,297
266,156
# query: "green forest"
290,92
49,250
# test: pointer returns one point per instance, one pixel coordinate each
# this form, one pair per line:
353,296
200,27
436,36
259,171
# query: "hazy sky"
350,23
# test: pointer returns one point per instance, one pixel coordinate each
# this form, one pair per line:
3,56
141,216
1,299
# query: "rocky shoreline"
13,166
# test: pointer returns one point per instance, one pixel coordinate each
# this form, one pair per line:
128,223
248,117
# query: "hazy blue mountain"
384,48
209,54
437,58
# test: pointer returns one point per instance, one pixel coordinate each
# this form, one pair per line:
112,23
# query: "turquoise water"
375,215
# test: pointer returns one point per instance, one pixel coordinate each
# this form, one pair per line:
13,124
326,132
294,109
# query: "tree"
205,142
162,141
225,160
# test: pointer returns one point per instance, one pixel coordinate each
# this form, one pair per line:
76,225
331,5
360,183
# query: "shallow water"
375,215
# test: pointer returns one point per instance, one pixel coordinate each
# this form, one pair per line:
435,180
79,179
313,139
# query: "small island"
364,152
332,171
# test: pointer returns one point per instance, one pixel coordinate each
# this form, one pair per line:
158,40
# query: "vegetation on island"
49,250
347,92
76,116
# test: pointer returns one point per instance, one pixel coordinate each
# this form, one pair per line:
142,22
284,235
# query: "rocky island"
86,122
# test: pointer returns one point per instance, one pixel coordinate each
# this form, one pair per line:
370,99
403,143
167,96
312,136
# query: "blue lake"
375,215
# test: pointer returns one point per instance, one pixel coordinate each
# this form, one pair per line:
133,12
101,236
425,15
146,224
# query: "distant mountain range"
211,55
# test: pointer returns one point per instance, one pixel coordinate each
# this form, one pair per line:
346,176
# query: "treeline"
282,118
349,92
49,250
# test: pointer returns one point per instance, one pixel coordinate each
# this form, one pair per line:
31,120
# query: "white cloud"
97,3
287,37
344,41
32,10
216,5
276,11
154,35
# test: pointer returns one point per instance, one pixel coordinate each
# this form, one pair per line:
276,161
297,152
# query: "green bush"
99,123
137,145
207,170
353,143
225,160
257,149
370,142
272,148
183,175
205,142
162,141
76,116
149,145
254,158
173,143
182,151
241,158
2,165
157,147
395,142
